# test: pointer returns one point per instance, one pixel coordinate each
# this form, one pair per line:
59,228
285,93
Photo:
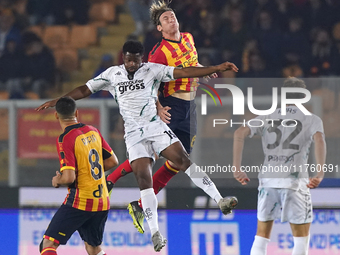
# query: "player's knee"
183,163
144,182
41,246
47,243
93,249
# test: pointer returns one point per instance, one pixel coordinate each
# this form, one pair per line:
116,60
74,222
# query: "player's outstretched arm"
78,93
239,136
208,77
320,152
193,71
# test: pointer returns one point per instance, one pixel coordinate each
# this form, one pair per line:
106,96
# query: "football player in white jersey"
284,181
134,85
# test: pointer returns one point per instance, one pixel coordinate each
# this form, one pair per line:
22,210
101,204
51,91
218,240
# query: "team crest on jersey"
188,45
118,73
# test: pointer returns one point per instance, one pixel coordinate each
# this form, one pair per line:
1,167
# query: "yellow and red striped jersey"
82,148
180,53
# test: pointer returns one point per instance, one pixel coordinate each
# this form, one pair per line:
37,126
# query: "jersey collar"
173,41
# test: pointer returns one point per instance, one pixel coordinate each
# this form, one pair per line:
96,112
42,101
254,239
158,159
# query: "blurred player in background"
179,112
84,156
134,86
286,140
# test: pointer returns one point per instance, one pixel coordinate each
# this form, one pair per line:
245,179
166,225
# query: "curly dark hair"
134,47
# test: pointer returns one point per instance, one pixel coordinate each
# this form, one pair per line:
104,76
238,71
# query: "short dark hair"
66,107
134,47
157,9
293,82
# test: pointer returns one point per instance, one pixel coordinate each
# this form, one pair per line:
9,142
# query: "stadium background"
268,40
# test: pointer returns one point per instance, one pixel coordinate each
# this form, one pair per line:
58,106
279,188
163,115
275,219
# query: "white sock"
150,203
301,245
259,246
101,253
203,181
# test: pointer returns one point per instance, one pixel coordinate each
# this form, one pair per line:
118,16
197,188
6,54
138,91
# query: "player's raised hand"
47,104
164,114
241,177
227,66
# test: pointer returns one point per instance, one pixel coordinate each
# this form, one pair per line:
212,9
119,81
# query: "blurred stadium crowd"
264,38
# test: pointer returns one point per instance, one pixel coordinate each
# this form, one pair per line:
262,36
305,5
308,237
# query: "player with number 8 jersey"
84,156
89,192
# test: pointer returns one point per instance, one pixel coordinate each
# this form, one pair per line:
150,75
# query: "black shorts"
67,220
183,119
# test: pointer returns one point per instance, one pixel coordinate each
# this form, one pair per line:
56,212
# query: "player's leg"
122,170
94,250
301,238
268,209
297,210
91,232
184,125
176,153
63,224
141,157
48,247
261,240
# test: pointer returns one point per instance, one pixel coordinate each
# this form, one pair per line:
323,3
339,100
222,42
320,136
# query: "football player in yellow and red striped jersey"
84,156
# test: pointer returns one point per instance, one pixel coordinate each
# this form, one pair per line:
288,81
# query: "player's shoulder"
152,64
70,132
315,118
187,35
157,48
157,55
113,69
155,68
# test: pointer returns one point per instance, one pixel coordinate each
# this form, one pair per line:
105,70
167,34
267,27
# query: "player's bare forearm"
239,137
193,71
110,162
77,93
208,77
320,152
64,179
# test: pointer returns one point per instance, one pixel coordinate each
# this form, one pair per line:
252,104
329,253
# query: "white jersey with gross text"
286,140
136,96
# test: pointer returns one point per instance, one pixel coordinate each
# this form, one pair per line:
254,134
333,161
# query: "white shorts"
294,206
148,147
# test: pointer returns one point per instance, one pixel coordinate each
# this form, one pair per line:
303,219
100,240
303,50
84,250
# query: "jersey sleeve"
66,155
101,82
163,73
157,56
316,125
256,126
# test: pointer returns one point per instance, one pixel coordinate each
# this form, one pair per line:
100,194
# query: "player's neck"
68,122
172,36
